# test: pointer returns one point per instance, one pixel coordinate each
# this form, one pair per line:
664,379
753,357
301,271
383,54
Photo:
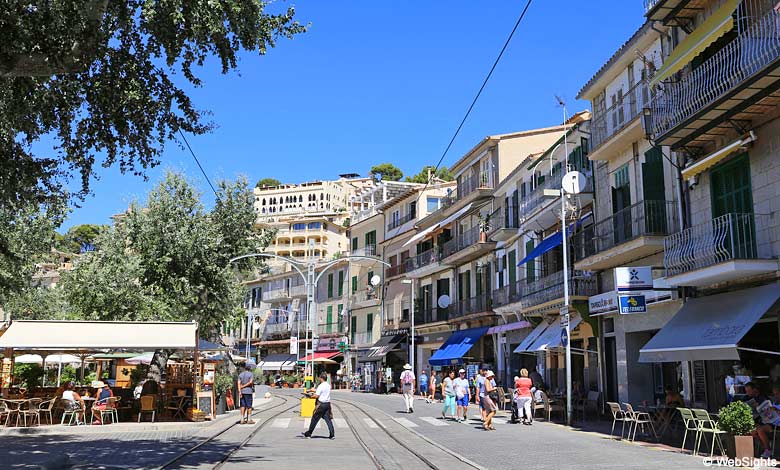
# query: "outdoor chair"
503,398
639,418
4,411
589,402
147,406
538,405
45,408
552,406
70,411
690,424
29,409
706,425
108,410
618,415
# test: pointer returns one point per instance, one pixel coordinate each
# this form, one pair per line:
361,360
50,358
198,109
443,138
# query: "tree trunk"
158,364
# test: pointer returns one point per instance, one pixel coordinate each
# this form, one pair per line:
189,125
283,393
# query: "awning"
456,346
421,235
551,338
456,215
380,349
278,362
145,358
518,325
718,24
204,345
709,328
90,335
546,245
322,355
718,156
529,340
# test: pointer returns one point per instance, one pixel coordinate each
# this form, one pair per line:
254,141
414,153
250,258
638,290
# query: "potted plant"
222,383
736,418
484,227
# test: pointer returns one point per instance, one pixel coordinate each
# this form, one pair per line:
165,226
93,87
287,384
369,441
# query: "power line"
479,93
199,165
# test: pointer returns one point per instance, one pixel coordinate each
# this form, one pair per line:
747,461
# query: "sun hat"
407,367
490,374
98,384
462,371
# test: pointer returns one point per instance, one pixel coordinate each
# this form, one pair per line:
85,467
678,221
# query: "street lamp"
252,324
411,314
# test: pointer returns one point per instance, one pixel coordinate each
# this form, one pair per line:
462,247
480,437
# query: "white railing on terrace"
612,118
276,294
550,288
756,46
366,294
728,237
368,250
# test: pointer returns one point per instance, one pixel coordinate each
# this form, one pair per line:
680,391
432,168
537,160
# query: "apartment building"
636,209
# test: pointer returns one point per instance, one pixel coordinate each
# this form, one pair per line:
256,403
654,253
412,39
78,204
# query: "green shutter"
369,322
354,284
512,267
353,329
330,285
339,314
654,192
341,283
329,320
354,243
530,273
369,276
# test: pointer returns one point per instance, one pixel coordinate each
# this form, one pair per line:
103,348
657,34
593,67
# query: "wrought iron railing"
611,118
508,294
435,314
368,250
425,258
460,242
550,288
477,304
643,218
532,201
398,269
756,46
504,217
401,220
725,238
475,181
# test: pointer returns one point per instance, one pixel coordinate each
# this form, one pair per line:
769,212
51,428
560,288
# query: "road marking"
281,423
371,423
434,421
339,422
405,422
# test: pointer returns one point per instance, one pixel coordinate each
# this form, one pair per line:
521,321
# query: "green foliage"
28,375
224,382
69,373
422,177
386,172
268,182
35,303
107,82
79,237
736,418
137,374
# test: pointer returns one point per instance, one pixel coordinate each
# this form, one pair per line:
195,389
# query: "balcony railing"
477,304
508,294
425,258
432,315
460,242
368,250
325,328
504,217
274,294
644,218
728,237
402,220
612,118
550,288
398,269
535,199
298,291
366,295
757,46
475,181
365,337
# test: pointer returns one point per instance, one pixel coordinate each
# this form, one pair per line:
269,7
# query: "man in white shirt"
408,387
462,395
322,394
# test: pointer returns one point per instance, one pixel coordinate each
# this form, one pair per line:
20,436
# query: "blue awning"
551,242
456,346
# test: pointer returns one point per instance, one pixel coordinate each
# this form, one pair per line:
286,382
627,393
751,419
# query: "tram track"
285,400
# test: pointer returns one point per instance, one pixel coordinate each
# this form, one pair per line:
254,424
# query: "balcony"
728,86
364,338
477,187
534,208
298,291
472,306
617,125
433,315
398,269
401,221
549,289
329,328
272,329
508,294
633,233
728,248
368,250
276,294
466,246
427,262
504,223
367,297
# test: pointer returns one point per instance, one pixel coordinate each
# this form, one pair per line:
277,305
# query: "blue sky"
384,81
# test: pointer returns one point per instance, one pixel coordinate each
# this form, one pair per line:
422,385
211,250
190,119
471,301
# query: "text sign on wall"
633,278
632,304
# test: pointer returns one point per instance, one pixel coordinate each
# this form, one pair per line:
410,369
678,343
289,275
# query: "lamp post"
566,317
252,324
411,320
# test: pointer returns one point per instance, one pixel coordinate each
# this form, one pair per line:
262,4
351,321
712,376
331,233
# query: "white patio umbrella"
61,359
145,358
28,359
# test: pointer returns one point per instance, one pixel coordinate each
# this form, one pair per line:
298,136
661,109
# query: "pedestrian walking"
408,387
246,384
489,401
479,384
448,392
432,388
523,396
462,395
323,411
424,384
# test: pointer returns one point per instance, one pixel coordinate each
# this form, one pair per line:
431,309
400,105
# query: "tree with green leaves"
429,170
386,172
169,260
268,183
39,303
79,238
97,79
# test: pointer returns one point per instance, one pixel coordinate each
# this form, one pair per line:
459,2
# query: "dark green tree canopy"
422,177
79,238
386,172
96,77
268,182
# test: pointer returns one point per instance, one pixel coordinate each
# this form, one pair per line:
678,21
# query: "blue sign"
564,337
632,304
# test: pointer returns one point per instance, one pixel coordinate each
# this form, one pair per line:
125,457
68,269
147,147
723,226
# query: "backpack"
406,378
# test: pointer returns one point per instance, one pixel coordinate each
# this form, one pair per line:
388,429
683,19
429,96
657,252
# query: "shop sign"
294,345
632,304
633,278
602,303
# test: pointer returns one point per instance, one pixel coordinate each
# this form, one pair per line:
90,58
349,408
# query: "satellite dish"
444,301
375,280
574,182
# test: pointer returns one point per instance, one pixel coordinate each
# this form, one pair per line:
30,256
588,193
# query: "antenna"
560,100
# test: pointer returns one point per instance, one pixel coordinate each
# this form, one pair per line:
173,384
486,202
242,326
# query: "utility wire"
199,165
479,93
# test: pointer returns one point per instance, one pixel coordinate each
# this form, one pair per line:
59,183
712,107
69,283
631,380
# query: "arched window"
263,201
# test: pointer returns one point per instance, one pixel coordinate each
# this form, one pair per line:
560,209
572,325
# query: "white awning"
529,340
274,362
551,338
421,235
456,215
709,328
91,335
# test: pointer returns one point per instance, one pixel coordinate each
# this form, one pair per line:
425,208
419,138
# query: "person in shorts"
479,385
462,395
488,401
424,384
246,383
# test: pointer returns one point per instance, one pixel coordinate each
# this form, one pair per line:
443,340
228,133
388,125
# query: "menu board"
206,402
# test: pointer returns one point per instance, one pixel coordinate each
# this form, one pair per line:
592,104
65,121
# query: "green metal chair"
706,425
689,421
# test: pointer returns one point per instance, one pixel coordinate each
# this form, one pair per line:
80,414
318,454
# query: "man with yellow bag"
322,395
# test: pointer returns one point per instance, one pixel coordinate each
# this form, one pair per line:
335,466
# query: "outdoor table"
662,416
180,402
88,402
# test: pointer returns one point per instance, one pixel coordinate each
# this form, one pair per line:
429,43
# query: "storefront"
456,351
506,339
382,363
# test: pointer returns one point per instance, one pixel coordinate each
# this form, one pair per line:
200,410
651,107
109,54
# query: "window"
530,274
354,244
329,319
369,276
412,209
315,225
299,226
353,329
330,285
341,283
371,238
434,203
396,216
354,284
370,323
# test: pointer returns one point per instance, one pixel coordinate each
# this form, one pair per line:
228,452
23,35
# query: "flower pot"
296,385
743,448
482,237
286,385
